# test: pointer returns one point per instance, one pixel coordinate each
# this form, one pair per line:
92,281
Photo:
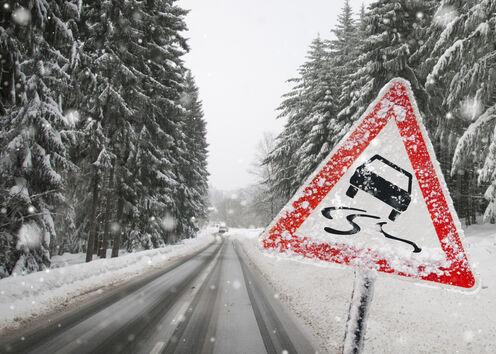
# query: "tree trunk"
117,233
473,197
129,237
94,205
108,207
98,240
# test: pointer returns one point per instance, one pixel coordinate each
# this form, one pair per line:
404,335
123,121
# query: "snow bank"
68,259
405,317
22,297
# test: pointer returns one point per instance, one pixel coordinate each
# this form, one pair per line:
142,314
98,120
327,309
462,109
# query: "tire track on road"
278,330
193,334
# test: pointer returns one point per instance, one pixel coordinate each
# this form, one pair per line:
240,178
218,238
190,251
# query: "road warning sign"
378,201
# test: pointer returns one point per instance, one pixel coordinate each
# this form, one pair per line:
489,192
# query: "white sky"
242,54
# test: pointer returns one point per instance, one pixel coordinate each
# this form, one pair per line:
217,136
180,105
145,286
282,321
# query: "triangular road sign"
378,201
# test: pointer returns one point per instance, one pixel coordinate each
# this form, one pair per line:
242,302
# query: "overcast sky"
242,54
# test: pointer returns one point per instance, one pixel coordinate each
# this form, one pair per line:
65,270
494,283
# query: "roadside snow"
68,259
405,317
27,296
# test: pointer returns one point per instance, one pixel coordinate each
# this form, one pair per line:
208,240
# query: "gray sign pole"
361,299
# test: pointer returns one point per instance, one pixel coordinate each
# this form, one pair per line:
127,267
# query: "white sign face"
409,239
378,201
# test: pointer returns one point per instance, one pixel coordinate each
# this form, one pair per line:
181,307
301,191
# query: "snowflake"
445,15
21,16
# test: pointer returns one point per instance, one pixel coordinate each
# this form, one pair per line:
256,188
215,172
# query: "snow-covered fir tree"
104,99
193,170
313,128
463,76
341,78
264,203
391,34
318,92
345,47
34,73
91,117
344,50
134,51
308,108
444,132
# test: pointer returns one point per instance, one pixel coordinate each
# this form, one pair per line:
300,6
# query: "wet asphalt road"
212,302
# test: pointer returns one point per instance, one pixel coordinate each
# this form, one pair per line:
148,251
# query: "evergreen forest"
102,133
446,49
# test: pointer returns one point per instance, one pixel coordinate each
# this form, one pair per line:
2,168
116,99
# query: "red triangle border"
442,213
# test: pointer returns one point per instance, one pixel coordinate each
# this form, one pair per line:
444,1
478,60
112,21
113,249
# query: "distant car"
223,229
366,179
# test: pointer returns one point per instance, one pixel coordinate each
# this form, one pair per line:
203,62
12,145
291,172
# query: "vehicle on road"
223,229
367,179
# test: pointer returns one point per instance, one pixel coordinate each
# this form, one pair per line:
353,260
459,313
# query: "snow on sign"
378,201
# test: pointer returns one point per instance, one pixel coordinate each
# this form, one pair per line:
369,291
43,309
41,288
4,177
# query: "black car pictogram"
366,179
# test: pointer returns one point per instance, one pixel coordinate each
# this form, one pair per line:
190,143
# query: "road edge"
298,321
98,295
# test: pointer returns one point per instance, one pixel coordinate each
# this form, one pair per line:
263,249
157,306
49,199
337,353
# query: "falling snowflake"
21,16
29,236
137,16
71,117
468,336
168,222
236,284
115,227
471,108
445,15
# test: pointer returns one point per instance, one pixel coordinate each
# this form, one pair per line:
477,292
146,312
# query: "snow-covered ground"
28,296
405,317
68,259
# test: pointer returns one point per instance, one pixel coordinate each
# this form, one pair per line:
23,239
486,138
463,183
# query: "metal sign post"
361,299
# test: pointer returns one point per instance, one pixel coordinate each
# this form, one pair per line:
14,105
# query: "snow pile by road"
22,297
405,317
68,259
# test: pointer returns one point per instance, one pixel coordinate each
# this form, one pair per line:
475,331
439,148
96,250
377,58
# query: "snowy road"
213,302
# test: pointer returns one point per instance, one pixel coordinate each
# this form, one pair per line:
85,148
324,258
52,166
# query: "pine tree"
443,132
308,108
91,116
464,74
390,36
263,202
193,169
344,46
134,80
165,46
344,51
318,92
34,69
280,161
103,80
